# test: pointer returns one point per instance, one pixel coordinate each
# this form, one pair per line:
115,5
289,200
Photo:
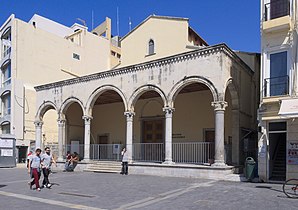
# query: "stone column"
219,109
61,140
38,133
87,120
168,135
129,133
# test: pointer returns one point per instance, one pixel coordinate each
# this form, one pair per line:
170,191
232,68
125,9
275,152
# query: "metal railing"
148,152
79,148
193,152
98,151
276,86
186,152
105,151
276,9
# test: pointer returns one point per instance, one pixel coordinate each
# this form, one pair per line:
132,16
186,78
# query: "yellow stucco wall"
39,51
170,37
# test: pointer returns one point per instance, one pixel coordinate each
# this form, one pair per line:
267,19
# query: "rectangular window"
277,126
76,56
278,83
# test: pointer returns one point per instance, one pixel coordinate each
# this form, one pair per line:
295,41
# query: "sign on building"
292,153
7,151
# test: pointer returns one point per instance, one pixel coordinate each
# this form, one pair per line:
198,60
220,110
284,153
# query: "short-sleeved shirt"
47,160
125,157
35,161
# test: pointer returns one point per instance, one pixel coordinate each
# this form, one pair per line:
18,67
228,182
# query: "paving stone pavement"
96,191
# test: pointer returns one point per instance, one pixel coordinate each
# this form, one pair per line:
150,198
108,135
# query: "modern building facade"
278,111
38,52
190,103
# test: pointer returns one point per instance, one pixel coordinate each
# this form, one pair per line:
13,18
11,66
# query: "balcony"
277,16
276,86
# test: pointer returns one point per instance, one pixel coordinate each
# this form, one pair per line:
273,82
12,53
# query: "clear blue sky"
234,22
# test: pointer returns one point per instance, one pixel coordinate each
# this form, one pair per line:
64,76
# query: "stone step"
101,171
104,167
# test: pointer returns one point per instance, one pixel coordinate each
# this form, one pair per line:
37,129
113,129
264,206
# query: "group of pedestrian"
38,163
71,161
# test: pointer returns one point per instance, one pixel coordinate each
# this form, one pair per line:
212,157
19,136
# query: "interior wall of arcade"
74,124
193,113
108,119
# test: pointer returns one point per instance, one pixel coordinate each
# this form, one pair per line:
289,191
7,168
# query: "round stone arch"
231,87
68,102
138,92
97,92
187,81
235,120
43,108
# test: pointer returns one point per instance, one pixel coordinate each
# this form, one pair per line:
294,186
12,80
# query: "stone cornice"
220,48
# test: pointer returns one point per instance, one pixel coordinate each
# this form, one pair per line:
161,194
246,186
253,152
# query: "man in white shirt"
46,161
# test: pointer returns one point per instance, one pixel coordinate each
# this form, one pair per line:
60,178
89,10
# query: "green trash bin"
250,165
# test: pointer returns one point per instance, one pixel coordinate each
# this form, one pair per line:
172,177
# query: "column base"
86,160
168,162
219,163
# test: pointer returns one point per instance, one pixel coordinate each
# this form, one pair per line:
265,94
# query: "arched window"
151,47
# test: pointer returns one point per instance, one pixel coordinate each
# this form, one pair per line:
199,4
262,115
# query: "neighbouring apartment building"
278,111
173,99
42,51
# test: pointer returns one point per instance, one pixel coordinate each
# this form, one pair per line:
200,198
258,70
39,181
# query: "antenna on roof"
117,21
92,20
129,23
82,21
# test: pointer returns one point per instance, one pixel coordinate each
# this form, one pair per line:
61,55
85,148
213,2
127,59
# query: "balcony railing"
276,9
276,86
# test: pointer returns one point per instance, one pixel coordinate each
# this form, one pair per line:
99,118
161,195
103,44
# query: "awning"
289,108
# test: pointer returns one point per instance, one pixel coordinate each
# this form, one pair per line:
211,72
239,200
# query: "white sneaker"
49,185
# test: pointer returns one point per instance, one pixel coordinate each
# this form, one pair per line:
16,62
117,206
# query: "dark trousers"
46,173
124,168
36,176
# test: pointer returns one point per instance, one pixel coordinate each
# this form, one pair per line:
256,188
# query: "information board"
292,153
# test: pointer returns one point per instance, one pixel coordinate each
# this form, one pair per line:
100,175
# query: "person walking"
34,169
46,162
124,162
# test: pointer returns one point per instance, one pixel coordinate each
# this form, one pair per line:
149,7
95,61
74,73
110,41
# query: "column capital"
38,123
129,114
168,110
61,121
87,118
219,105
